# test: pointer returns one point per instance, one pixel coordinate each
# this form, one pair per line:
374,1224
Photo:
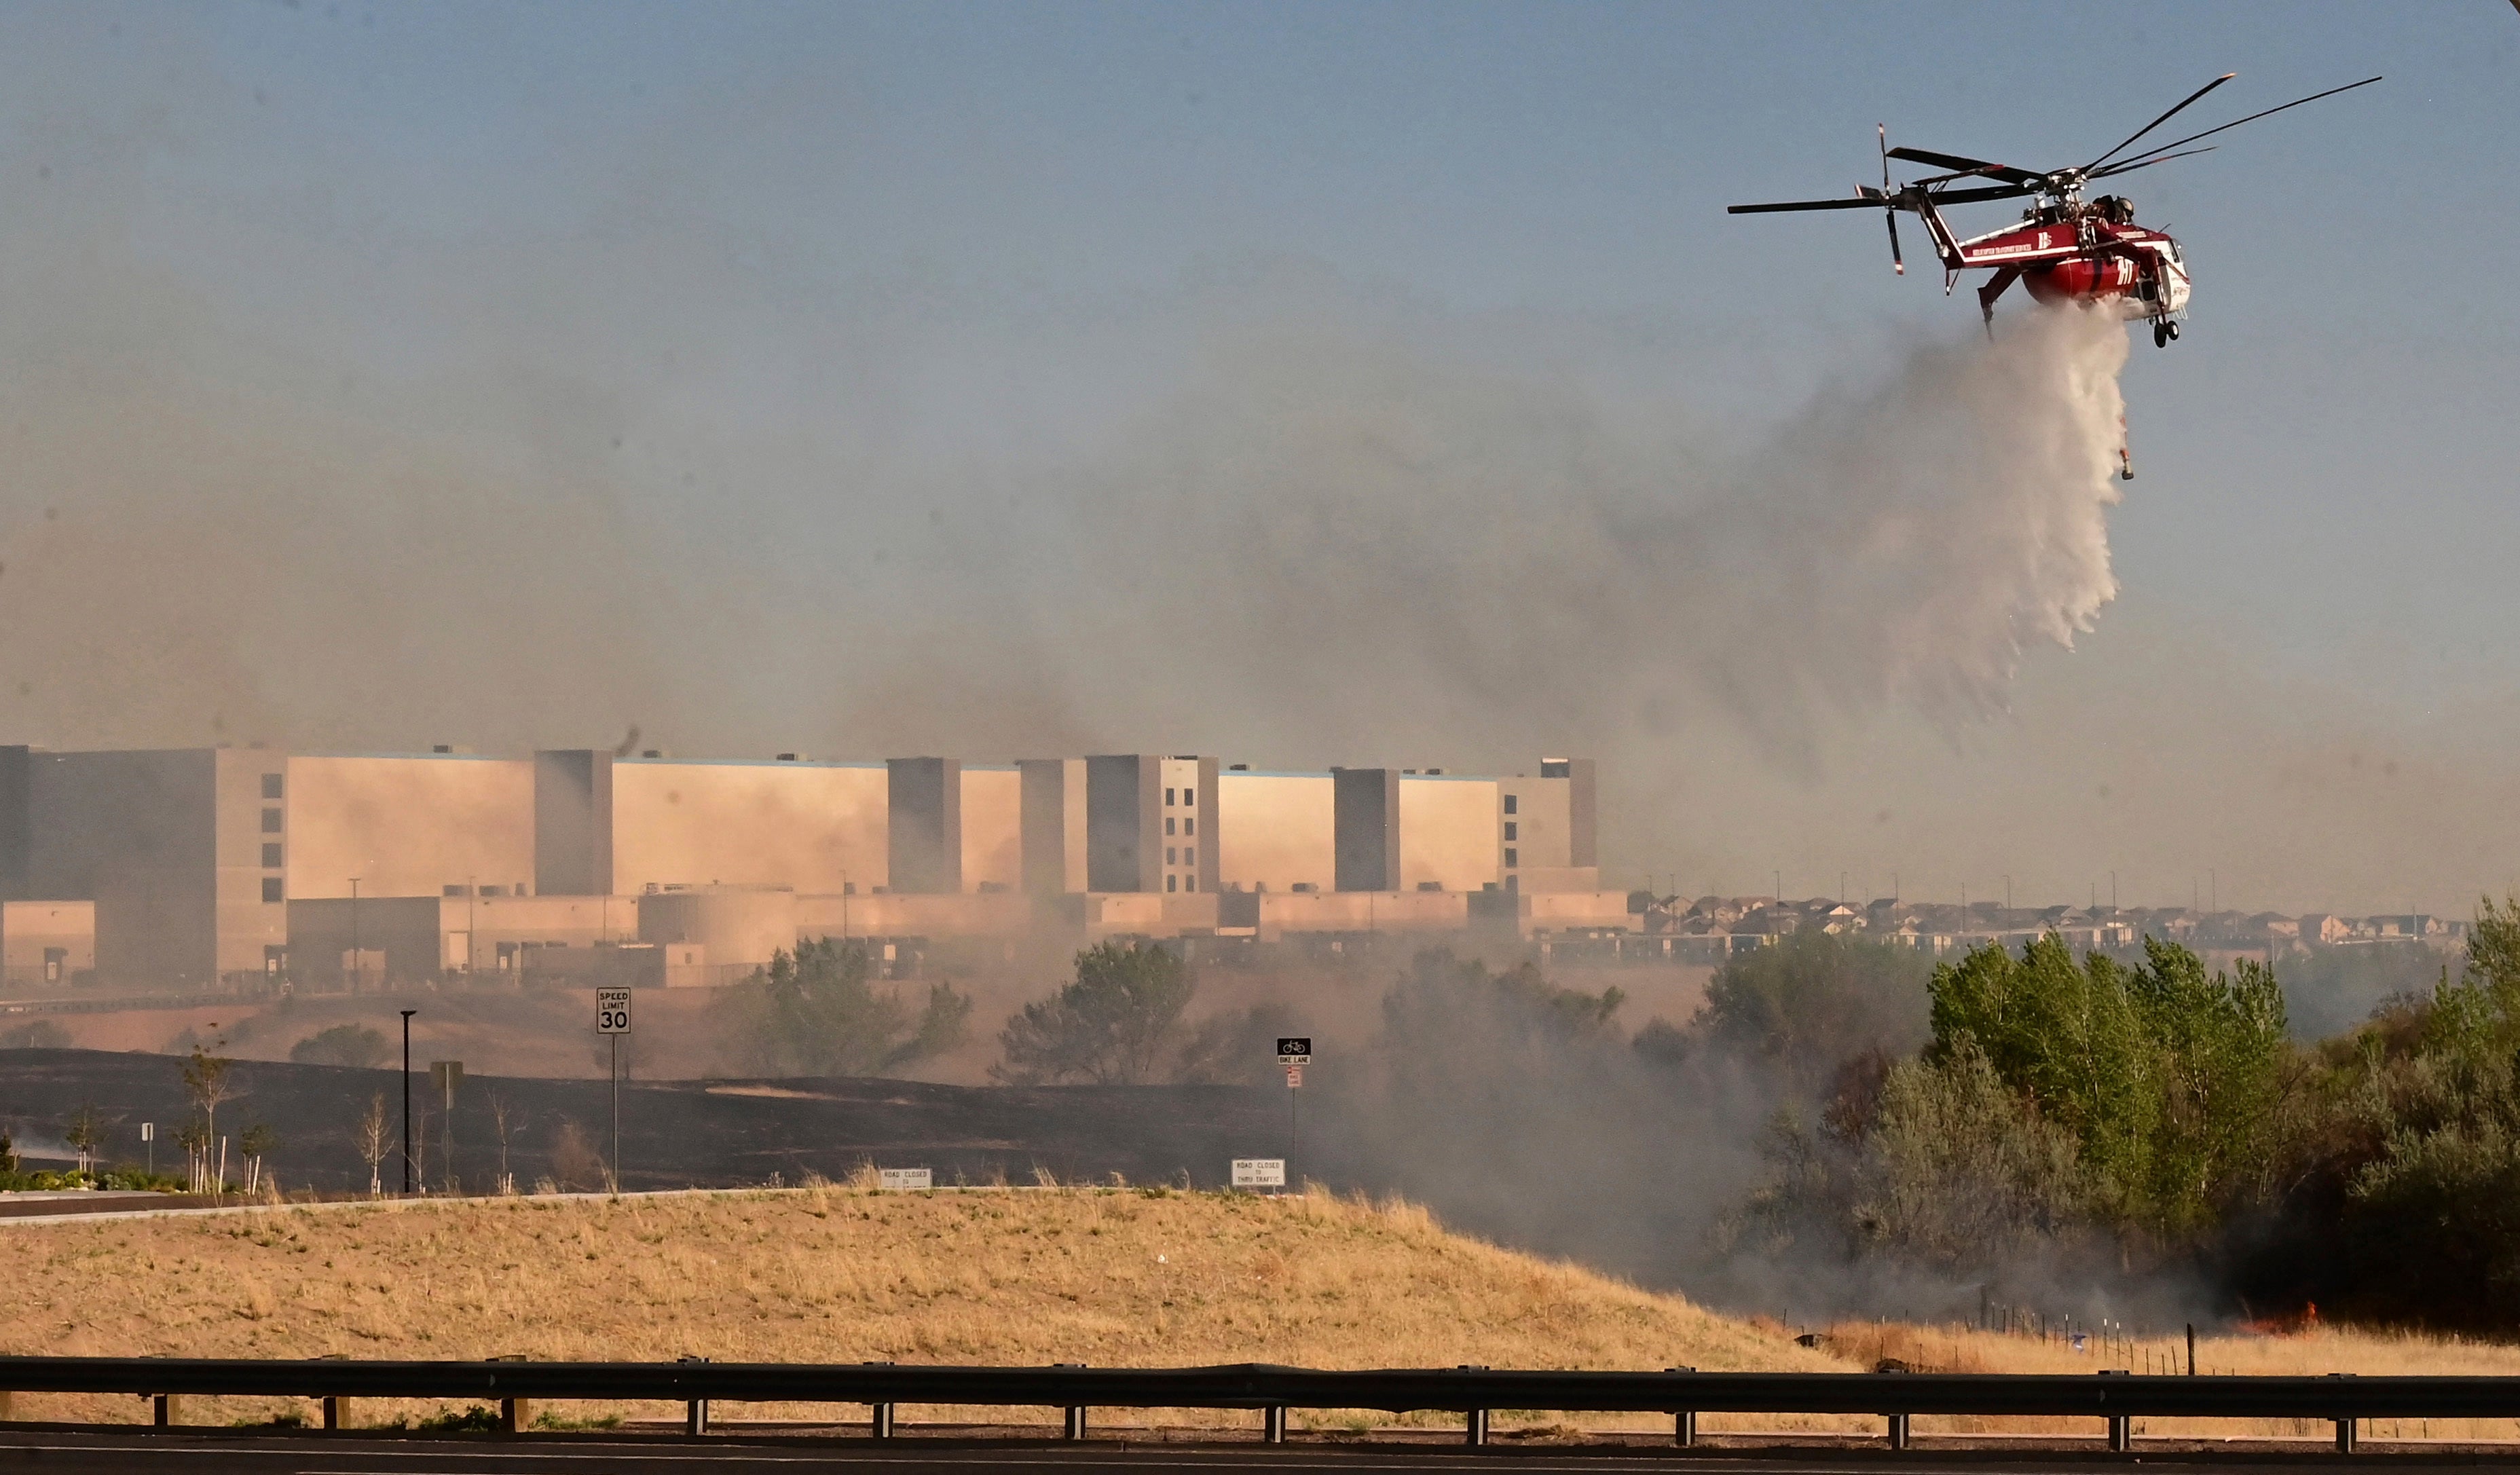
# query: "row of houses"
1712,927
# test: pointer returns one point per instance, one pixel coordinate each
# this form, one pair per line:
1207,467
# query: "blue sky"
751,250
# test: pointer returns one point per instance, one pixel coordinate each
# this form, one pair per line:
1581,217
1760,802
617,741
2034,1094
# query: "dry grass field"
1097,1276
1105,1276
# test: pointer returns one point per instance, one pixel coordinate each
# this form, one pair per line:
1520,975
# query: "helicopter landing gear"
2164,334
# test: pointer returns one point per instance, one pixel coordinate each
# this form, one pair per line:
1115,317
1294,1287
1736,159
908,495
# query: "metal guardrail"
1682,1393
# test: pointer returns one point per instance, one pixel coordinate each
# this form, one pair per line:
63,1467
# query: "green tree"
817,1012
1812,1002
1114,1024
2170,1081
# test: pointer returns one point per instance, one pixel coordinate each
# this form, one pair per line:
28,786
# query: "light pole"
406,1100
358,960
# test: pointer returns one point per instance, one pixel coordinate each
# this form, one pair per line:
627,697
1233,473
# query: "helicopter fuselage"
2067,251
2130,269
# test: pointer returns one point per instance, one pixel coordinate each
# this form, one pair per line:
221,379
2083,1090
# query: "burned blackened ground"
674,1134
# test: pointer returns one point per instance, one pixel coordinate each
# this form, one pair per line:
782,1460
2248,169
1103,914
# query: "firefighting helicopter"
2064,249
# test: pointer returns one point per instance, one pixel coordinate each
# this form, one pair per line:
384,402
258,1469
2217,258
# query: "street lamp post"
406,1099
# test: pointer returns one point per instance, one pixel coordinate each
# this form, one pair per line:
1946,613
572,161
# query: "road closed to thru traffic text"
1259,1172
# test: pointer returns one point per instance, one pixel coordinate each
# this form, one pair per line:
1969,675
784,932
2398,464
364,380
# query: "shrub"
1113,1025
36,1034
353,1045
816,1012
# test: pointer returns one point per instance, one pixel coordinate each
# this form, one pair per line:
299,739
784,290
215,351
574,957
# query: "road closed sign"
613,1012
1259,1172
906,1179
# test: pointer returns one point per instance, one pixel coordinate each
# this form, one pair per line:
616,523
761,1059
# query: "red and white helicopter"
2065,249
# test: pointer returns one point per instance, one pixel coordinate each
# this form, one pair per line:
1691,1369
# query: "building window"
1168,824
1168,798
1190,798
1189,883
271,888
1509,801
1172,883
1512,857
1190,855
1189,826
1168,856
271,785
271,857
1510,829
271,822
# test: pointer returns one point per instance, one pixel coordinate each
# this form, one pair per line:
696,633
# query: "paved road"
218,1452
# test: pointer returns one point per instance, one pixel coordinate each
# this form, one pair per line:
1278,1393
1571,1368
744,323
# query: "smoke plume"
1451,548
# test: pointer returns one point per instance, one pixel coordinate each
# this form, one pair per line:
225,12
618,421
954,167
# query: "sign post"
1295,1052
612,1019
149,1134
446,1075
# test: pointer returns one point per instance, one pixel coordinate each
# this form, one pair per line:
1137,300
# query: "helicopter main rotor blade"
1858,204
1977,166
2148,154
2116,169
2157,122
1991,192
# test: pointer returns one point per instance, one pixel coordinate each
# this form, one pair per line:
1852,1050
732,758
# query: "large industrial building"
194,869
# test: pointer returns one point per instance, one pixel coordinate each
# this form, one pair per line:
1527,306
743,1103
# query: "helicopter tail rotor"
1889,211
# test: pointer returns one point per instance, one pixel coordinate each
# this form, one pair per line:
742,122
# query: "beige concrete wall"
992,827
407,824
735,924
28,928
1540,825
1448,833
995,913
424,936
1362,911
814,826
1275,830
1560,911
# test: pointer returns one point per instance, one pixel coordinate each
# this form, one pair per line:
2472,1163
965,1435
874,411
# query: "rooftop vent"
787,757
1239,768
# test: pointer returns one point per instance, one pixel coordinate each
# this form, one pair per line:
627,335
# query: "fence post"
336,1412
515,1414
1898,1431
1076,1414
696,1411
878,1416
169,1410
2344,1426
7,1408
1684,1421
1474,1431
1273,1424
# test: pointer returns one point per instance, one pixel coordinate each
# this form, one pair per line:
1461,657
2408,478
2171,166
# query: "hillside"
1100,1276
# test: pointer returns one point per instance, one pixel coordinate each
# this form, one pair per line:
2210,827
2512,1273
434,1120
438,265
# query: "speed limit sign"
613,1012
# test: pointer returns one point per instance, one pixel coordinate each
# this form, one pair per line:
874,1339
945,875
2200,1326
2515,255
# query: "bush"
36,1034
353,1045
1814,1001
1115,1024
815,1013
